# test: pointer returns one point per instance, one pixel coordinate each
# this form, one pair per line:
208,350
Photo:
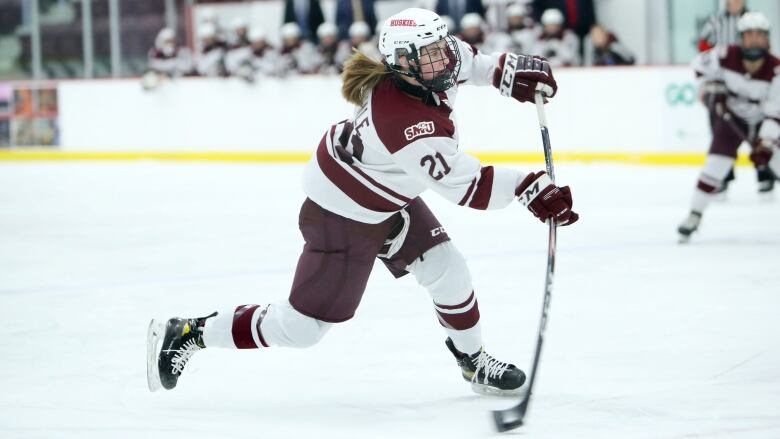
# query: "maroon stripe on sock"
706,187
242,327
460,305
460,321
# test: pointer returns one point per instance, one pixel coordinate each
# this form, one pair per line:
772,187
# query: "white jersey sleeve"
707,66
476,67
437,163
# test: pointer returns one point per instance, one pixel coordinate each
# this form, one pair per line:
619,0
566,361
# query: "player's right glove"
521,76
546,200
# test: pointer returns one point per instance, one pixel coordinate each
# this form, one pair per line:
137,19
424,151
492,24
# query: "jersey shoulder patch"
400,119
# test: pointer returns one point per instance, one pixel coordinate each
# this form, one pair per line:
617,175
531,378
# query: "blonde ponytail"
361,74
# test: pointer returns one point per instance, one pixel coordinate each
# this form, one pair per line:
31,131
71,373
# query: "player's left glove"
521,76
546,200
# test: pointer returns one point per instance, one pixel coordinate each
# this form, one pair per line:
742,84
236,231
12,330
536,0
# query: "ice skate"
690,225
766,183
166,359
487,375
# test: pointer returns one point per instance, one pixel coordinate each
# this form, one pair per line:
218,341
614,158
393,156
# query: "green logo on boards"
681,94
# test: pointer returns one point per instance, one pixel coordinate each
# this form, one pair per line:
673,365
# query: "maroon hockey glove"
545,200
762,153
520,76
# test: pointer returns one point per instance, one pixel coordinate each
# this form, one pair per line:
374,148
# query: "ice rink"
647,338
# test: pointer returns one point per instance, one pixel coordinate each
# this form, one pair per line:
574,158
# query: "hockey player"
718,33
211,59
297,55
362,186
745,84
559,44
166,60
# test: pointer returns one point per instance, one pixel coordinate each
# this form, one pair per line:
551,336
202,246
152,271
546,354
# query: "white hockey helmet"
238,23
552,17
753,21
470,20
406,33
256,34
207,30
515,10
359,29
290,30
327,29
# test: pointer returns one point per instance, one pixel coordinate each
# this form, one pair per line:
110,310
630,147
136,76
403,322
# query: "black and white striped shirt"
719,30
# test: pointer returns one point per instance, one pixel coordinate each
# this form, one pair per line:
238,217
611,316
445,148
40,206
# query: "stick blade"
511,418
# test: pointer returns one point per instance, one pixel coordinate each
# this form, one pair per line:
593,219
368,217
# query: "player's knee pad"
442,270
716,168
284,326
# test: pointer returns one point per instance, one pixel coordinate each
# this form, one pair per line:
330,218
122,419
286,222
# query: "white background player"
745,83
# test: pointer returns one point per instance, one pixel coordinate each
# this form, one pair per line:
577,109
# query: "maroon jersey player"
743,84
363,186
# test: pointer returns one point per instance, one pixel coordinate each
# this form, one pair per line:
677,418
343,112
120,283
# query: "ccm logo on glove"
546,200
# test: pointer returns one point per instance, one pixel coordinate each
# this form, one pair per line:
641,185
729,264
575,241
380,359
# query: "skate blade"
766,197
683,239
153,339
483,389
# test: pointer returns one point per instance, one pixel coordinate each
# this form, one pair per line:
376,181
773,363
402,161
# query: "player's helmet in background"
406,34
165,41
758,22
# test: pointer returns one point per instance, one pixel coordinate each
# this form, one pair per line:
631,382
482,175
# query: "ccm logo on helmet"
403,23
418,130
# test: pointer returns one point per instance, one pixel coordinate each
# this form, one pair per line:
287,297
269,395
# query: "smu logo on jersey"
402,23
420,129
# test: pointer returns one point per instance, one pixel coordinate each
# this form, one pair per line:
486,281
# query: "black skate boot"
766,180
166,361
487,375
690,225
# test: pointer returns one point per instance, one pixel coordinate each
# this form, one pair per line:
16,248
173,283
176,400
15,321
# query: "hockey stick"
512,417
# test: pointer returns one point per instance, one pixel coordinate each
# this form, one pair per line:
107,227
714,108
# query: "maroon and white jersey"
752,97
395,147
174,64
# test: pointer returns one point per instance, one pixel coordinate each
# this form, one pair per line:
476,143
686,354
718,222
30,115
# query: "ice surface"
647,338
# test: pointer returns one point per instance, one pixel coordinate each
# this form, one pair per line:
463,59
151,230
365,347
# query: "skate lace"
491,367
183,355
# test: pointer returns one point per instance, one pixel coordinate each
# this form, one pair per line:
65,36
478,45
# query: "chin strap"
427,96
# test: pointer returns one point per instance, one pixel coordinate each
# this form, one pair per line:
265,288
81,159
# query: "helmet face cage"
419,60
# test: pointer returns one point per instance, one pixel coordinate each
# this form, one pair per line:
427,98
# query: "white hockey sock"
701,200
468,341
255,326
716,168
444,273
284,326
218,330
